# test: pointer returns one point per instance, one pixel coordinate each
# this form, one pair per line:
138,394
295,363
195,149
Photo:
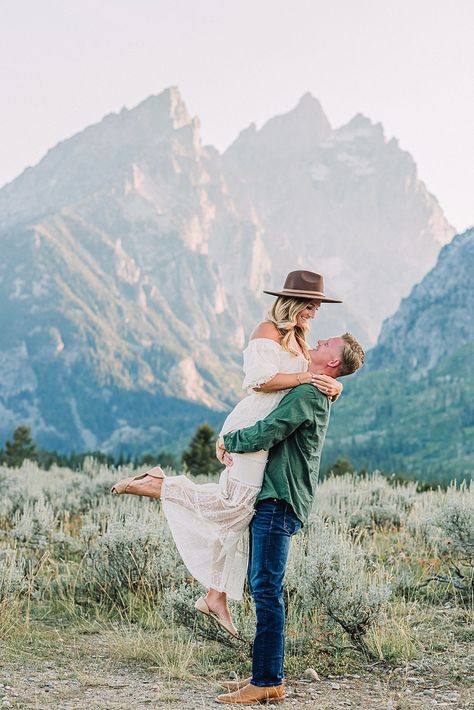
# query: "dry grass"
173,653
83,600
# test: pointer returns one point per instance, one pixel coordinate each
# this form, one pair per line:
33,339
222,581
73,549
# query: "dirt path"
84,677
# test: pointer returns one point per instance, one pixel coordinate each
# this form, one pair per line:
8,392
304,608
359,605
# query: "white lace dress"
209,522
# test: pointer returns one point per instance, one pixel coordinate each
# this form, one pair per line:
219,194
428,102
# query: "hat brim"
307,296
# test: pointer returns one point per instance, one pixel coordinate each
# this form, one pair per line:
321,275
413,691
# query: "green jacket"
294,434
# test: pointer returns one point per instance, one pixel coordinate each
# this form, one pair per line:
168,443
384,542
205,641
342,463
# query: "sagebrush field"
93,597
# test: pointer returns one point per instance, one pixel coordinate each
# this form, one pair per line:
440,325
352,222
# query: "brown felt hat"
304,284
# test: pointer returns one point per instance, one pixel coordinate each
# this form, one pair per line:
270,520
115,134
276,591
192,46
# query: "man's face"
326,352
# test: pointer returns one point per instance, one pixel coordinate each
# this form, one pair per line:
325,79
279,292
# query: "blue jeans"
271,528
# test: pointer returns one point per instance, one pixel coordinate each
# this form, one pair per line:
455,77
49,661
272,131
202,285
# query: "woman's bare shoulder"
266,330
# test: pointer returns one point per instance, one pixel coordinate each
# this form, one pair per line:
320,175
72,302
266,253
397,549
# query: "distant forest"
198,458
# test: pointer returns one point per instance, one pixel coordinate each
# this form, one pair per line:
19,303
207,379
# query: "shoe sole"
209,614
219,624
267,701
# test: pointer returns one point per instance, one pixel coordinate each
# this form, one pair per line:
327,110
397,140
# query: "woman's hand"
328,385
306,378
221,453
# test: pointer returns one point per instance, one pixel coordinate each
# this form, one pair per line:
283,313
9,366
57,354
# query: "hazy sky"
406,63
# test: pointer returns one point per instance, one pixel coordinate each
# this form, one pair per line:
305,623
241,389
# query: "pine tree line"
198,458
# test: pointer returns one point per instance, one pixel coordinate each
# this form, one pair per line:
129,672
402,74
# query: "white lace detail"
209,523
261,362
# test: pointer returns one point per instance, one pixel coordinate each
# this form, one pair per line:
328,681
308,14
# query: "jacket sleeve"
295,410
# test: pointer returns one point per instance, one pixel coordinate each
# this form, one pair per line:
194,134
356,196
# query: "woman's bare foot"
217,603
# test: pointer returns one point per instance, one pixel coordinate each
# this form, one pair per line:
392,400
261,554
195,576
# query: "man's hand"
221,453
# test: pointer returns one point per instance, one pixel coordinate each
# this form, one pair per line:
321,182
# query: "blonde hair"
352,355
283,314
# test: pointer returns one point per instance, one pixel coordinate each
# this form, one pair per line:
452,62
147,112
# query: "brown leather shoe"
232,685
252,694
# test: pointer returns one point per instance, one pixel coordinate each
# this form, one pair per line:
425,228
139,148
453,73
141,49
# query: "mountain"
439,315
411,409
134,259
346,203
116,329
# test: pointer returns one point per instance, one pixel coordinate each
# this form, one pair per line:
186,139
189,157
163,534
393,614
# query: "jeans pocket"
291,523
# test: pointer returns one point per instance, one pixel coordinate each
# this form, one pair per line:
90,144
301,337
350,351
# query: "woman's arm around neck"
282,380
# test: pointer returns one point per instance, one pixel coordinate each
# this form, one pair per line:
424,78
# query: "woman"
209,522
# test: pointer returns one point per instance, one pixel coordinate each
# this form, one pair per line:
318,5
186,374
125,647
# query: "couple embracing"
270,445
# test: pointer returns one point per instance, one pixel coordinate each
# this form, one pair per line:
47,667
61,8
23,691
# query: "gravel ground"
93,681
73,670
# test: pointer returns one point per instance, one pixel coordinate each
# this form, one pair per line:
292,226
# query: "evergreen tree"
200,456
22,447
340,467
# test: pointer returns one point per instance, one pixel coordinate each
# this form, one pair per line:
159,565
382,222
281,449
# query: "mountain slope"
439,315
411,410
108,289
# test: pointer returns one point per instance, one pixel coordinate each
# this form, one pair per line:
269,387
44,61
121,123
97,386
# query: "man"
294,435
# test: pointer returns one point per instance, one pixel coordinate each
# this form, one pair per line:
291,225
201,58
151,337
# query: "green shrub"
329,572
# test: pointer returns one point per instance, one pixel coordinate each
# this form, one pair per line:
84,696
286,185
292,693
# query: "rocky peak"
309,114
306,117
295,132
165,111
177,108
334,197
360,127
100,156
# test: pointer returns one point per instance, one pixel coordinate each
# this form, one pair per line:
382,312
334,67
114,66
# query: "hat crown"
304,281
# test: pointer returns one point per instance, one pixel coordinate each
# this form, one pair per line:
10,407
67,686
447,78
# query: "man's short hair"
352,355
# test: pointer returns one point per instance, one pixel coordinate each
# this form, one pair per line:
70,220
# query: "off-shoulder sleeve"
261,362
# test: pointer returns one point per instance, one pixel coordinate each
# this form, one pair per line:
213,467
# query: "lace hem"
209,523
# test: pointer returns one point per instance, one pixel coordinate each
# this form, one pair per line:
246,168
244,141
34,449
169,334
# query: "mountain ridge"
134,260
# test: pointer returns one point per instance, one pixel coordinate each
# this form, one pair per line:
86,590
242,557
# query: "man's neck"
323,371
320,368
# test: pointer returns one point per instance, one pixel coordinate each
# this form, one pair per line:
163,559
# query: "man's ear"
334,363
